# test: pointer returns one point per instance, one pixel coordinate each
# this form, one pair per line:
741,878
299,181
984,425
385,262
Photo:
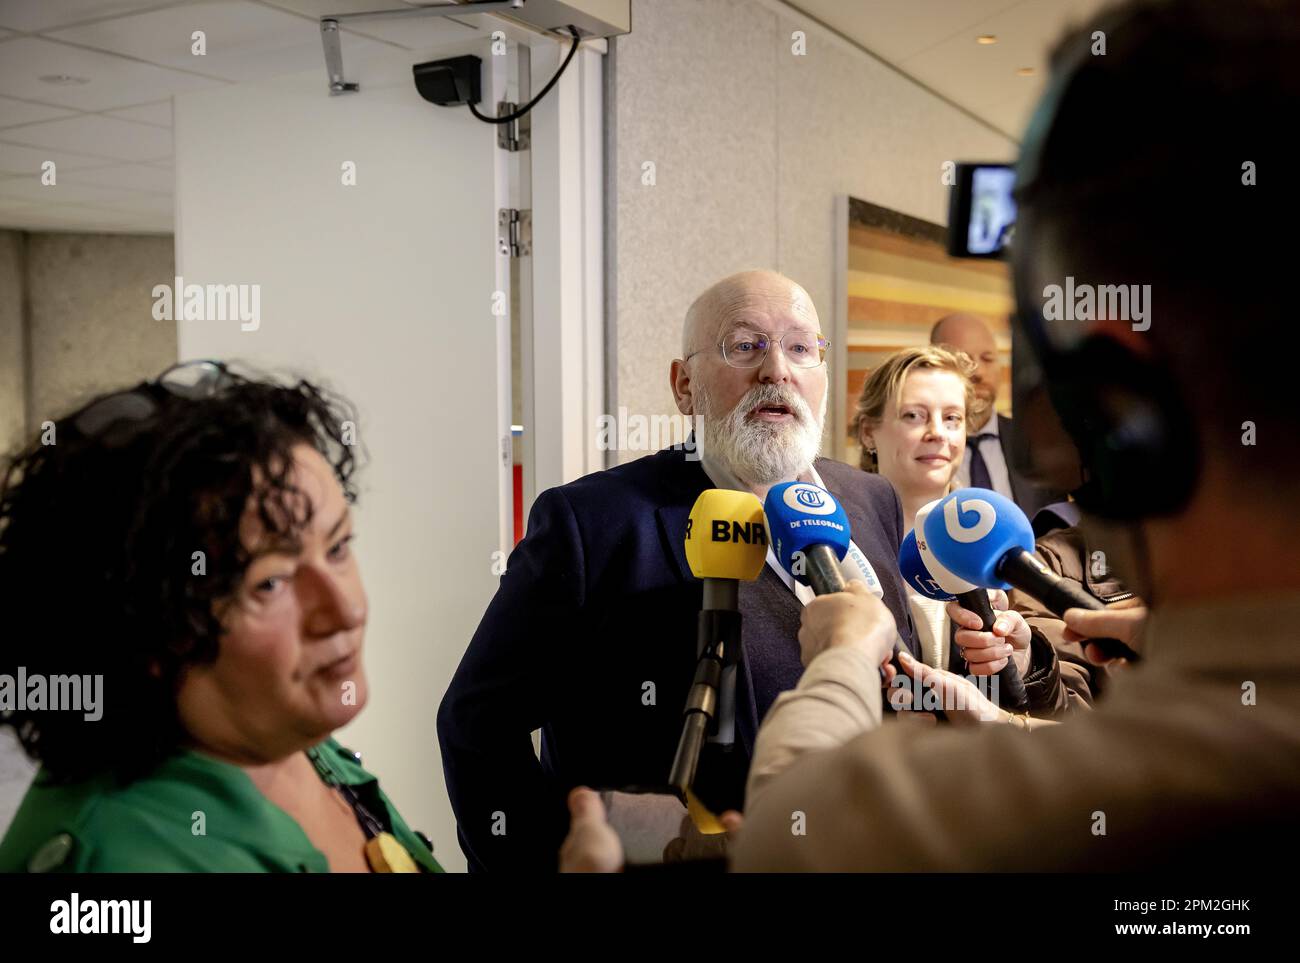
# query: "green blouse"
193,814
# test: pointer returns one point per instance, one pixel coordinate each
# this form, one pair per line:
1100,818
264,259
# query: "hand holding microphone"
853,617
985,539
1121,621
986,648
978,635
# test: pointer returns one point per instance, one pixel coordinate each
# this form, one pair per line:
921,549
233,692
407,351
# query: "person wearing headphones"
1193,759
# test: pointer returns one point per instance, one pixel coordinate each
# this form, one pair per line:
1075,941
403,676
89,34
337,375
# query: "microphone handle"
1010,685
711,702
823,570
687,758
827,578
701,707
719,634
1026,572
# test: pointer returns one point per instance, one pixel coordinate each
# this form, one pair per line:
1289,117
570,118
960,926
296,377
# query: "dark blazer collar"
683,478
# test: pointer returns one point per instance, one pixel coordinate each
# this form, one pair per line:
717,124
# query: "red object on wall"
517,477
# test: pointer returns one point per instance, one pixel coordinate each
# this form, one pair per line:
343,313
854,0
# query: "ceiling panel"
9,205
934,41
30,16
31,189
243,41
982,78
24,112
897,29
158,113
144,205
72,217
133,177
119,139
113,81
16,159
152,224
320,8
411,33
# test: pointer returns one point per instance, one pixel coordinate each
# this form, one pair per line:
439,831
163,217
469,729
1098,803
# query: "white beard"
762,452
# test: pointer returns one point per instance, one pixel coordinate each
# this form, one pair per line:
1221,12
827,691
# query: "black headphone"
1122,408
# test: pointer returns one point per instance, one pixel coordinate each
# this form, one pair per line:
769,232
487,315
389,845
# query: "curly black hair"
97,566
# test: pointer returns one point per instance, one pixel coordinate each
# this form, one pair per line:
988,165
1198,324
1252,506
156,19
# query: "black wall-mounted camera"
453,82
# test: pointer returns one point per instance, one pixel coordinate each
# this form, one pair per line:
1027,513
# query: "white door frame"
563,289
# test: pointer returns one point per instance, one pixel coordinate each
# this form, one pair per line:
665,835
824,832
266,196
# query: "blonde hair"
883,386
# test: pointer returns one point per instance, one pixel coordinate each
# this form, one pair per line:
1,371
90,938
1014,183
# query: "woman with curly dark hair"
184,633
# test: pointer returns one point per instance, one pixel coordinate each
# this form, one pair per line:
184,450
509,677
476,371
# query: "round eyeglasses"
748,349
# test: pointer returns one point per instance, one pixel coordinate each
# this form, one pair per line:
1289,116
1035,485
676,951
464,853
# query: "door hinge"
516,134
514,232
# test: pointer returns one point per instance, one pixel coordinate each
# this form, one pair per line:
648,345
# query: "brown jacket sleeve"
1066,553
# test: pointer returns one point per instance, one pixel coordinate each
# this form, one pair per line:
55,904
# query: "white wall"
751,146
385,290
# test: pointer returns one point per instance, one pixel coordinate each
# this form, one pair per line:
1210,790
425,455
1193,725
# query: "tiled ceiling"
110,135
88,85
934,42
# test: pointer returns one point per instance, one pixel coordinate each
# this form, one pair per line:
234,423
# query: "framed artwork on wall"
894,280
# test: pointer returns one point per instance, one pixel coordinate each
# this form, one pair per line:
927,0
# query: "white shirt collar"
722,477
990,427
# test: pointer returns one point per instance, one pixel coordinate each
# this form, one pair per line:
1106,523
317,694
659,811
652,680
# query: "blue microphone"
970,532
809,534
928,576
915,574
984,538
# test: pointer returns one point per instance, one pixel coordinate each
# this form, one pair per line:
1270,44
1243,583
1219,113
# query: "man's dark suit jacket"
1026,493
591,638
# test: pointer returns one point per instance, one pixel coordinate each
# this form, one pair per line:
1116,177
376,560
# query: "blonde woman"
911,422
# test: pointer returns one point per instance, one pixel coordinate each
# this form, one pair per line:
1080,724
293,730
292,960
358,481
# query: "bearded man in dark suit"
598,606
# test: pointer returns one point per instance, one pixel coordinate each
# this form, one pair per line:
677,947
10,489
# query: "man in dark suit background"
988,436
591,636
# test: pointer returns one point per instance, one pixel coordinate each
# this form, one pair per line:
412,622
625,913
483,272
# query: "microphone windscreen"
970,530
799,516
946,580
726,536
915,573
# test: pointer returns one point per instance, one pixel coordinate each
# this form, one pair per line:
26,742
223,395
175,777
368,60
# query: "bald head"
734,296
960,329
971,334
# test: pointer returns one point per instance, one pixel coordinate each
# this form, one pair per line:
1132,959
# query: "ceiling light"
986,38
64,80
1025,72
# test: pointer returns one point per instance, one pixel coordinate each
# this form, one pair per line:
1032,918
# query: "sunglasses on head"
189,380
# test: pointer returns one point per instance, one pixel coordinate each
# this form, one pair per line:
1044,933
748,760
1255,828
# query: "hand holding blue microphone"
987,640
985,539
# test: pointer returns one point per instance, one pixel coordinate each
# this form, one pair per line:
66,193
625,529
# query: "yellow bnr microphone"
726,543
726,536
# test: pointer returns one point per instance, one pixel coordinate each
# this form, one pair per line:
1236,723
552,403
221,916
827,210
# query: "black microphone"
1027,572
